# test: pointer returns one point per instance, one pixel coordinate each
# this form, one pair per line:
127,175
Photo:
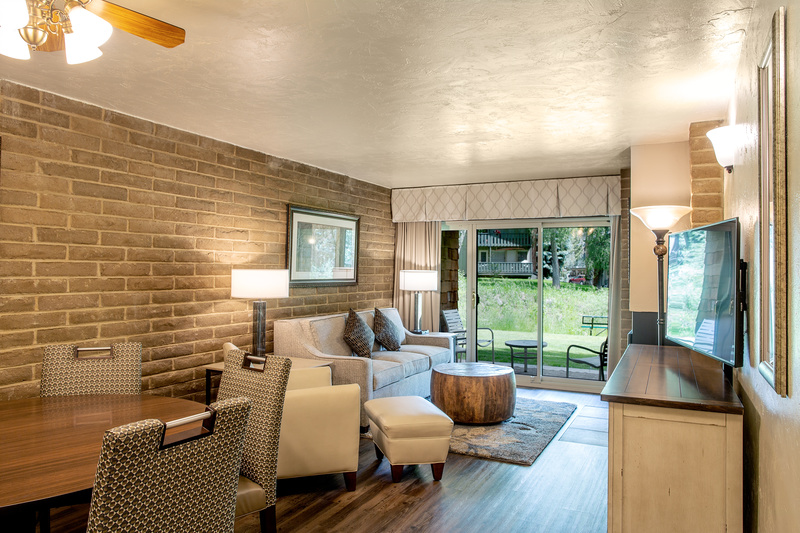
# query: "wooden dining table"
49,447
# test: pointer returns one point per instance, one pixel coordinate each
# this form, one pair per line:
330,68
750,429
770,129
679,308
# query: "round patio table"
524,345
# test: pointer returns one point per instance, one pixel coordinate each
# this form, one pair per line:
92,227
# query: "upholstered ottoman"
409,430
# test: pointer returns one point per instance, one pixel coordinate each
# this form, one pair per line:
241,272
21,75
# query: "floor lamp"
417,281
660,219
258,285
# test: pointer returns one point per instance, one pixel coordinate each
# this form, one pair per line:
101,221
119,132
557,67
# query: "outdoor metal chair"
451,323
599,361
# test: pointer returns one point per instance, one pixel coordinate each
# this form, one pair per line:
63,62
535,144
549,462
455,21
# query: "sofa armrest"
319,431
445,340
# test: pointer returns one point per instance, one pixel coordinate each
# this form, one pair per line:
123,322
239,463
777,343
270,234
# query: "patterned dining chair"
265,385
145,483
66,372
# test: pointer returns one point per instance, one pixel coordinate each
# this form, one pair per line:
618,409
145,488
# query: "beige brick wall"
707,175
113,228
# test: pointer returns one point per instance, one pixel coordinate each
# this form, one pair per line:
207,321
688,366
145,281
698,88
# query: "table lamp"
659,219
417,281
259,284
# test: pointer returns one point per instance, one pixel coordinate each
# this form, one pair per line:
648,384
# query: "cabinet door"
670,470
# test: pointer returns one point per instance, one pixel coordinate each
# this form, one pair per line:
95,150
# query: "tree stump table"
474,393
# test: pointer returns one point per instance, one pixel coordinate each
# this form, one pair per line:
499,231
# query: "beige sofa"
406,372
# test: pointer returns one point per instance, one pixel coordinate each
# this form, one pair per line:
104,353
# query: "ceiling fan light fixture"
88,27
13,14
12,46
78,51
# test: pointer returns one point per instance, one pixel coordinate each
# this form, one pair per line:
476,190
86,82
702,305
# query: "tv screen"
703,308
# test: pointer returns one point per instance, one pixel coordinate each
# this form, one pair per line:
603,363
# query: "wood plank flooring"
564,491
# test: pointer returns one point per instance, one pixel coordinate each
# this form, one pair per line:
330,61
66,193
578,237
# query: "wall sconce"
724,145
660,219
259,284
418,280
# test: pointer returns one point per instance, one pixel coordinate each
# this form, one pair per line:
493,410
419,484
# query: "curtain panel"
418,246
556,198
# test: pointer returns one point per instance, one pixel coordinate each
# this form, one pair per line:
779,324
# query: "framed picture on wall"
322,248
773,319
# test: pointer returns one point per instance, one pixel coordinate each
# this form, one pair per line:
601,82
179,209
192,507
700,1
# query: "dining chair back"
69,371
263,380
149,482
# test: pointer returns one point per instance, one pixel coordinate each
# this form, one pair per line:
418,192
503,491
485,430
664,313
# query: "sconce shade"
660,217
419,280
724,145
13,14
258,284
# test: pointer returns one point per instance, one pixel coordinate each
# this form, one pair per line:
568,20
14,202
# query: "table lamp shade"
259,284
419,280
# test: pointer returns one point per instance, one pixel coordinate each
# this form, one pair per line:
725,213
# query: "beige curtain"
418,246
614,298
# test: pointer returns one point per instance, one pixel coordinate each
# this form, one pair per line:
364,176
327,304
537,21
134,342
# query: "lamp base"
420,331
259,328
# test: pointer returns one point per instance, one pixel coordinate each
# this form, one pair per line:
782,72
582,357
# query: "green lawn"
555,353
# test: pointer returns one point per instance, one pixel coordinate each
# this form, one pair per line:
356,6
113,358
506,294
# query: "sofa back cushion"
328,335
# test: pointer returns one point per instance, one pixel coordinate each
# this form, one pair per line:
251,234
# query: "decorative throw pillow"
357,335
386,332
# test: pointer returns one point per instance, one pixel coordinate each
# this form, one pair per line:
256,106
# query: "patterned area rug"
518,440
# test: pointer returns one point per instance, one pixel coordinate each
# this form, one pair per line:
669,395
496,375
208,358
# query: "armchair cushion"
386,332
357,335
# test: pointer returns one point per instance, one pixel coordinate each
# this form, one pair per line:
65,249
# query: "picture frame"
322,247
773,260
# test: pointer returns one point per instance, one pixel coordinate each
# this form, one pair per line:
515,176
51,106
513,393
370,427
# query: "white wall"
772,424
660,175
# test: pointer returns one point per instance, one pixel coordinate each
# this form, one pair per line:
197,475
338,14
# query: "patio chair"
599,361
451,322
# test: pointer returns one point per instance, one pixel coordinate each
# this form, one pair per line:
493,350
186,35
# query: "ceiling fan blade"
137,24
54,42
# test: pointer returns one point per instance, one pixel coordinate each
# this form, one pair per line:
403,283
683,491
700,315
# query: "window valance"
571,197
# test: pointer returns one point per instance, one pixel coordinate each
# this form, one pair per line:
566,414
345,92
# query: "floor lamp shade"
417,281
258,285
659,219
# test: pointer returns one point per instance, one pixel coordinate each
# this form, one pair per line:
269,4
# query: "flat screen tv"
704,293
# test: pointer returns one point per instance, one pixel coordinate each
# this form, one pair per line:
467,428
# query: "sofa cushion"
358,335
386,333
385,373
413,363
328,335
392,314
437,354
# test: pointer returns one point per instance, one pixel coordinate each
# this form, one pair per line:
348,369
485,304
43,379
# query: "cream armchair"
320,427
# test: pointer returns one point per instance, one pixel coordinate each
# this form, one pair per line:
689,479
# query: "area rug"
518,440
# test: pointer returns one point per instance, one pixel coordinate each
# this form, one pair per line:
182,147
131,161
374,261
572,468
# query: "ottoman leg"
378,453
397,473
437,469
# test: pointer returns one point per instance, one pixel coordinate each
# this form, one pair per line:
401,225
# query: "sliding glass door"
530,293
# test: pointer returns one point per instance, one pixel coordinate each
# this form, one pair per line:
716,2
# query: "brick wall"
114,229
449,274
706,174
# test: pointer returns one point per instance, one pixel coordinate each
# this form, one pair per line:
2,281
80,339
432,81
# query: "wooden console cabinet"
674,444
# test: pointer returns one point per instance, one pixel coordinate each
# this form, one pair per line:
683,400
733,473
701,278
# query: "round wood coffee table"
474,393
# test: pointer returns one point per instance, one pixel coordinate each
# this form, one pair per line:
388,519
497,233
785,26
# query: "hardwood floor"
564,491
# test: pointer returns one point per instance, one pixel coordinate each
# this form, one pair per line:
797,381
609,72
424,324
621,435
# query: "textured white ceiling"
419,92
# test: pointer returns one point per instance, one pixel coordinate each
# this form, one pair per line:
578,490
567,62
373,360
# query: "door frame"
471,227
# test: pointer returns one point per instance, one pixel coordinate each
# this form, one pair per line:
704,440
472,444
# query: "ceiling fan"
77,26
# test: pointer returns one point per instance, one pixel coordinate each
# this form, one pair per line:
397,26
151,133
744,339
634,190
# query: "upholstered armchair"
319,431
320,425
